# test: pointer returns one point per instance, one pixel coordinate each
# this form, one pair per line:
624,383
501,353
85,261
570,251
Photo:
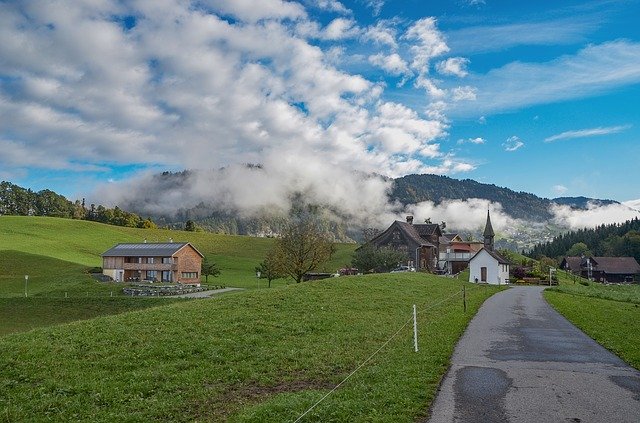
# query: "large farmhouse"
487,266
603,269
420,242
167,262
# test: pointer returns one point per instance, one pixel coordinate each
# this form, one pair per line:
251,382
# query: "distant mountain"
413,189
582,202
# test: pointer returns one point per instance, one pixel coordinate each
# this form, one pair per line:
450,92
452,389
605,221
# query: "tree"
209,268
302,247
370,259
190,226
268,268
579,249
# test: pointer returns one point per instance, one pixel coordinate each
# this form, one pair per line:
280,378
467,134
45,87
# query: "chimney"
410,220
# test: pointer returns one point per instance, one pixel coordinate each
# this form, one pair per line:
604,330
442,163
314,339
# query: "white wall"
496,273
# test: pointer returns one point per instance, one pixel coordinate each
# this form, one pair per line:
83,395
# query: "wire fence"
461,293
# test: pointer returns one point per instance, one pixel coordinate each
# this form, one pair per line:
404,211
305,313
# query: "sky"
541,97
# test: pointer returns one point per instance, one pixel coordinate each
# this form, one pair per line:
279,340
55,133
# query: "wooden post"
464,298
415,329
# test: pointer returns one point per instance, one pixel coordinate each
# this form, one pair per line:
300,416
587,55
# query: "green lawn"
81,243
610,314
260,355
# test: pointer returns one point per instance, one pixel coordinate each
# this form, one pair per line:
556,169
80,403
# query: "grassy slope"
262,355
82,242
610,314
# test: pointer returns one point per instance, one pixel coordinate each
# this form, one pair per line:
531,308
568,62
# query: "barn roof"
147,249
611,265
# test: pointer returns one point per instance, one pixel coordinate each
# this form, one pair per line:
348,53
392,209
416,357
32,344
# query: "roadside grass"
610,314
260,355
24,314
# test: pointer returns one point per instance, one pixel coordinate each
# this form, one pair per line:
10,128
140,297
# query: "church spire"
488,234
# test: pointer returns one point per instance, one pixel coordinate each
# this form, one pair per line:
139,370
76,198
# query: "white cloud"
591,132
392,64
382,33
375,5
512,143
456,66
479,39
482,120
593,216
252,11
331,5
430,43
340,28
477,140
559,189
592,70
464,93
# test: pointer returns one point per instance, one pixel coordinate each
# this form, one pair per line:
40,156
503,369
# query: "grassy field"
610,314
23,314
260,355
29,244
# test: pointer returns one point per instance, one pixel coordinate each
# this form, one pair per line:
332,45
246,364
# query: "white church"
487,266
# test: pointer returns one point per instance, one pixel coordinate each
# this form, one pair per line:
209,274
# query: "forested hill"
15,200
617,240
416,188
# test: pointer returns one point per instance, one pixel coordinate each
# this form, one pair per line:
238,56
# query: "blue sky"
541,97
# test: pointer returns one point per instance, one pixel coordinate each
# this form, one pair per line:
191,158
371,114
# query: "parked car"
400,269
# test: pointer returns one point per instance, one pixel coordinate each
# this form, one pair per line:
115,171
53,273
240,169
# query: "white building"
487,266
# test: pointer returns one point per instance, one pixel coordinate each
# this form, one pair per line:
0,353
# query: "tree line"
15,200
615,240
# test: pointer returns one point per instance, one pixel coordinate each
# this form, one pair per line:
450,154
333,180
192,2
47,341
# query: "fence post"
464,298
415,329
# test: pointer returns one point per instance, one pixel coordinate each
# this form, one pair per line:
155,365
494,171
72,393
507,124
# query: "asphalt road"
521,361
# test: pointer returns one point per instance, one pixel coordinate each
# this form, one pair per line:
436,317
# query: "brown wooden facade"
169,262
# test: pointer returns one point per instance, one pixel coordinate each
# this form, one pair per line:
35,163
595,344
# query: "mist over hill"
256,200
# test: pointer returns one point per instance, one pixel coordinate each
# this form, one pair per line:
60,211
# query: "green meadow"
260,355
610,314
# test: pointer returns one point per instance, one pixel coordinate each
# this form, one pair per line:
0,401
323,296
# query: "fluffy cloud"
477,140
429,43
512,143
593,216
393,63
453,66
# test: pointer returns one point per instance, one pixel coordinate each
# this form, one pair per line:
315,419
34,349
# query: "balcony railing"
455,256
150,266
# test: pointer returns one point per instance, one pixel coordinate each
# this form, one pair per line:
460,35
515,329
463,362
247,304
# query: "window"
167,260
150,260
152,275
190,275
166,276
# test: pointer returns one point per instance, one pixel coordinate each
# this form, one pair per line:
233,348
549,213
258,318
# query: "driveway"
521,361
205,294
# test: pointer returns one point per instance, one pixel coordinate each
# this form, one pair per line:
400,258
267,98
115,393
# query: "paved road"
521,361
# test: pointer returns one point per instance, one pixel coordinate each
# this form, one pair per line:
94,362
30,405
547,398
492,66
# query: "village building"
420,242
455,253
603,269
175,262
487,266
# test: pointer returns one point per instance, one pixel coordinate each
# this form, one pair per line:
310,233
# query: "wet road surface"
521,361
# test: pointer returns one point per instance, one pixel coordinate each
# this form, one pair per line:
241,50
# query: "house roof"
412,232
611,265
498,257
149,249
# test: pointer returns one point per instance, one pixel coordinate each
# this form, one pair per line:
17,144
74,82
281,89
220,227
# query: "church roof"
488,229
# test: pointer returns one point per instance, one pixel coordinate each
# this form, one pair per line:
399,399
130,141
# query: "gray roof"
147,249
611,265
498,257
488,228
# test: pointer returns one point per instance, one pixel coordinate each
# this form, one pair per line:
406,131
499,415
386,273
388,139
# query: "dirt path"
521,361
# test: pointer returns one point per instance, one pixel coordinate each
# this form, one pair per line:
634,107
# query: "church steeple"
488,234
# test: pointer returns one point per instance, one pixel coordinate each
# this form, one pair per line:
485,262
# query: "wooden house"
603,269
177,262
419,242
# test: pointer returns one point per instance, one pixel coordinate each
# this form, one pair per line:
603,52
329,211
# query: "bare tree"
302,247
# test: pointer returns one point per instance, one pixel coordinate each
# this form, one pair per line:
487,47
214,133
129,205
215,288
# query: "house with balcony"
173,262
603,269
455,253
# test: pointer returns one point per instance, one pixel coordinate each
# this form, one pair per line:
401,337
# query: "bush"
94,270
